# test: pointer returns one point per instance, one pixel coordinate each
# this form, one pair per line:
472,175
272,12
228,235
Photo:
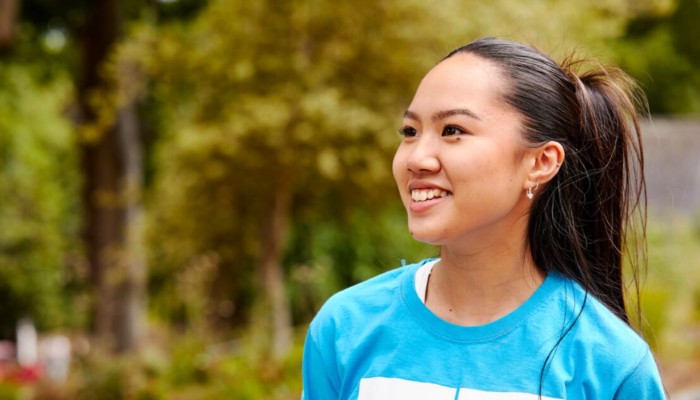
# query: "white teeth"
427,194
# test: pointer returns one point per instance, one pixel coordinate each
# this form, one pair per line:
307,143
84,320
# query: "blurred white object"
55,353
27,351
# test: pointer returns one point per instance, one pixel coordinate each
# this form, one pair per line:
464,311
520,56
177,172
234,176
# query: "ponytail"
590,210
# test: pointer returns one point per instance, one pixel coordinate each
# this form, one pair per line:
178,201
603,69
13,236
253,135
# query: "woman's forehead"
463,80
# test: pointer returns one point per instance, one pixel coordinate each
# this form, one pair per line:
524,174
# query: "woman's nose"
423,156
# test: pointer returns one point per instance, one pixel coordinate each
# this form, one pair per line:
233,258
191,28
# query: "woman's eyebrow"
411,115
440,115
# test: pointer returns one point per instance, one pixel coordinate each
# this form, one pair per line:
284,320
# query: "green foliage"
10,391
660,50
330,254
292,98
258,98
38,188
250,97
109,378
672,287
189,367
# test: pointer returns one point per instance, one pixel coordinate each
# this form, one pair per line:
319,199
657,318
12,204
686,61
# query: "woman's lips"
423,199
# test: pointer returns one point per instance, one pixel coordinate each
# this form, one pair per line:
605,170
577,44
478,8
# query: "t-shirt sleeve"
644,383
318,383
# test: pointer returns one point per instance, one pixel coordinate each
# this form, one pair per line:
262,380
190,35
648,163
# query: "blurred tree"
38,208
111,149
112,164
38,256
661,50
8,22
281,115
276,124
276,109
110,157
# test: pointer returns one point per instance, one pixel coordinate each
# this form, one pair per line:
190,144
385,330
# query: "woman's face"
459,168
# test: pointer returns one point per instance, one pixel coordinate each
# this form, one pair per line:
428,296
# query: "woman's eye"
407,131
451,130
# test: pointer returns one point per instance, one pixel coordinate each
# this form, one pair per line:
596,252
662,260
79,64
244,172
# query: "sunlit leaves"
309,92
38,188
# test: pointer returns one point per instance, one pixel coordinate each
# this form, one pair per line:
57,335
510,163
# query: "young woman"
526,175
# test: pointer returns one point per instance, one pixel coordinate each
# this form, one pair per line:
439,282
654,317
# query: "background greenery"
266,114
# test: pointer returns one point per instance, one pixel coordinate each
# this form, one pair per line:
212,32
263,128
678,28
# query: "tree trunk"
275,311
131,290
111,164
9,9
104,226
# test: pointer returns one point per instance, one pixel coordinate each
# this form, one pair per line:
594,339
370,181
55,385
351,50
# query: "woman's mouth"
419,195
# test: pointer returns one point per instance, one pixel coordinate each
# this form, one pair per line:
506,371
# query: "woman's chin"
425,236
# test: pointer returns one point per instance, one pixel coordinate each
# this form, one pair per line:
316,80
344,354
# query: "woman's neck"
476,288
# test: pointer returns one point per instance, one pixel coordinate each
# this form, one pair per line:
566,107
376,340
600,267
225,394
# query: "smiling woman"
461,138
523,172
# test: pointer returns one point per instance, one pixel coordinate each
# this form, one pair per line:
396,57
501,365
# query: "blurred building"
672,166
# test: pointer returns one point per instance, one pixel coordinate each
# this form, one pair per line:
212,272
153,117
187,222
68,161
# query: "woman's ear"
543,163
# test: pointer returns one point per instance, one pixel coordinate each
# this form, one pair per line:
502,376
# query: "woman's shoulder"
607,351
599,330
372,292
365,299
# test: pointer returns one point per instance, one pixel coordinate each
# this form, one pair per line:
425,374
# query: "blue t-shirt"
378,341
